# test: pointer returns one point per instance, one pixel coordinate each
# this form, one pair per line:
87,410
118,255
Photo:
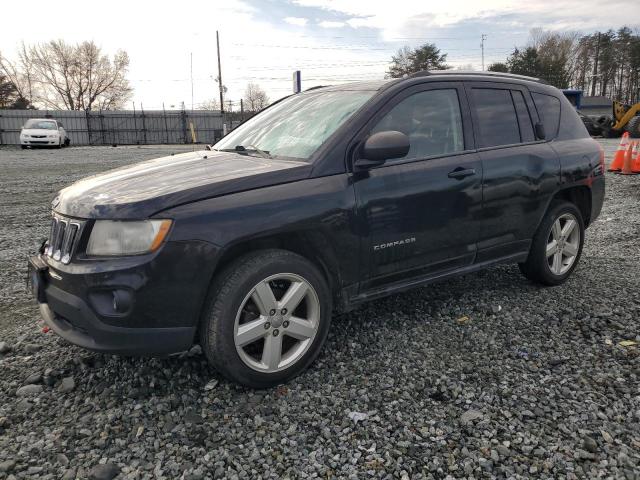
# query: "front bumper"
164,304
82,328
39,142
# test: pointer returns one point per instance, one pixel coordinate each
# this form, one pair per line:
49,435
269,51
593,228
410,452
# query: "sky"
265,41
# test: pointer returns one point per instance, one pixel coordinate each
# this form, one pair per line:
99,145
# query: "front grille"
63,238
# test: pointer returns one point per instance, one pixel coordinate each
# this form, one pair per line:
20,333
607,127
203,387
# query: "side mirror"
383,146
540,135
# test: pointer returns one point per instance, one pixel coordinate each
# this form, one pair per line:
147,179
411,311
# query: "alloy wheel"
277,322
563,244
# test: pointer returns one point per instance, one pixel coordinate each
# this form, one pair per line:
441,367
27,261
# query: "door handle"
460,173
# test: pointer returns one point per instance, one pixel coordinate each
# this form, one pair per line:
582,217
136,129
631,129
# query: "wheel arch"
313,246
580,196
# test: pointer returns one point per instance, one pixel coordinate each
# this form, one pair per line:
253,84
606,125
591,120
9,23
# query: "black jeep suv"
324,200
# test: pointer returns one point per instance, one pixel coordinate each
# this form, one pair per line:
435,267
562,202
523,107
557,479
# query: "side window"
497,120
432,121
549,111
524,118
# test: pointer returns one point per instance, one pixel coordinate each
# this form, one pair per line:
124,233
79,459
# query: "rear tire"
633,127
244,333
557,245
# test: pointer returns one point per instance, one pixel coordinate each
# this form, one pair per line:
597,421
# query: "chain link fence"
123,127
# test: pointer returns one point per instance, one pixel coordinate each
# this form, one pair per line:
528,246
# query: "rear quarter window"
549,112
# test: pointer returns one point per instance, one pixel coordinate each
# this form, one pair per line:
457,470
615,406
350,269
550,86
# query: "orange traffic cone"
628,162
635,166
618,158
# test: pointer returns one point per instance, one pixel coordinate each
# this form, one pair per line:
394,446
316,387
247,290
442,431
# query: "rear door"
419,214
520,172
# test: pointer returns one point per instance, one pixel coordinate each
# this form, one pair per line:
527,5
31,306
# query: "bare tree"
255,98
212,104
69,77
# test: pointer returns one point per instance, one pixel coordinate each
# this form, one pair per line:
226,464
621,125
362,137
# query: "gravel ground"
481,376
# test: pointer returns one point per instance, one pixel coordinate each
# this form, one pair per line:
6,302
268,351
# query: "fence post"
135,123
166,128
183,114
102,128
144,124
87,119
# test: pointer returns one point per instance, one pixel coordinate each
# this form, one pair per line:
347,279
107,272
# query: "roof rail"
317,86
426,73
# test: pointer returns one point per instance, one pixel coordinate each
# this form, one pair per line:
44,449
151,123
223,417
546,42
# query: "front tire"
556,247
267,319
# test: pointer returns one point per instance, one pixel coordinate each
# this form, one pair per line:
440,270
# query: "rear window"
497,119
549,111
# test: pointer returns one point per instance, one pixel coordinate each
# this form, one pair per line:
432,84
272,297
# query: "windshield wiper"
246,149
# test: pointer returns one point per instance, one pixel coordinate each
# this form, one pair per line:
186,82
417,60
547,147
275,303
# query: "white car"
43,132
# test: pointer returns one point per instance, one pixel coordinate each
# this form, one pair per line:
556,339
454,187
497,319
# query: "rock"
32,347
589,444
606,436
62,459
69,474
192,417
4,348
23,405
108,471
7,466
357,416
503,451
33,379
68,385
580,454
469,416
211,385
29,390
195,351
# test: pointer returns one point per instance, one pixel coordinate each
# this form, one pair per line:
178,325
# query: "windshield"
41,124
296,126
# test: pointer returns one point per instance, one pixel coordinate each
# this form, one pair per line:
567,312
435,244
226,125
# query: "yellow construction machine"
625,118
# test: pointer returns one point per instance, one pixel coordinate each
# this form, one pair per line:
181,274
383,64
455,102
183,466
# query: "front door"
419,214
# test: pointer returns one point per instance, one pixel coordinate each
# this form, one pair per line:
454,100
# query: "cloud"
392,17
298,21
331,24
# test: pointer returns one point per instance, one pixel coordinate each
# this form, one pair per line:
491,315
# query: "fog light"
121,301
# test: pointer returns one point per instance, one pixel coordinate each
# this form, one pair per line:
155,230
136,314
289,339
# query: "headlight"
53,136
112,237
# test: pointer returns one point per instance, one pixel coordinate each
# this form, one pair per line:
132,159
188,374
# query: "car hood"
38,131
143,189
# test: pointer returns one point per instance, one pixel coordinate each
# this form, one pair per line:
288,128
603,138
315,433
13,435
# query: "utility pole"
595,68
219,73
192,81
483,37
